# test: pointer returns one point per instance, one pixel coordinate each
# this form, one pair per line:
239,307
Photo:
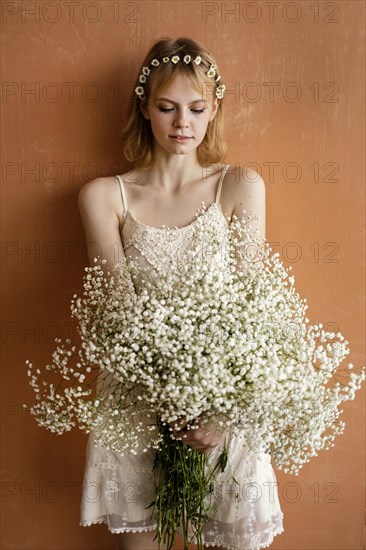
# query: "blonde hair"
137,137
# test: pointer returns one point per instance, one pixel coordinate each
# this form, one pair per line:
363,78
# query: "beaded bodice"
168,248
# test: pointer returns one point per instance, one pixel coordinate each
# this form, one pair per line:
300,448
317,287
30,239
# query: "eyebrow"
170,101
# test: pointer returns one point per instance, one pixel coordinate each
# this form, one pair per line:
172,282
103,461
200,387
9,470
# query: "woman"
173,137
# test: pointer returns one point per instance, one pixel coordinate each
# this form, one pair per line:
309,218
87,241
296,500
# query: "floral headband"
187,59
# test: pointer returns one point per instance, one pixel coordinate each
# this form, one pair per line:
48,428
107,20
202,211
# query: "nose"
181,119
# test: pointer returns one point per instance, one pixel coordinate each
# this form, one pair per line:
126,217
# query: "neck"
169,173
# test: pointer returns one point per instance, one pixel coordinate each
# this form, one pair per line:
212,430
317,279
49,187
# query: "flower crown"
175,58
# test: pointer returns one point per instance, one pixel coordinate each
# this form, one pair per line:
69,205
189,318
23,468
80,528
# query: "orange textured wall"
295,111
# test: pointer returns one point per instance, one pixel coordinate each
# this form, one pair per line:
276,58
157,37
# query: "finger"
179,435
179,426
207,450
198,448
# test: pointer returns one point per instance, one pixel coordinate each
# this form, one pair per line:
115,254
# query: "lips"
181,138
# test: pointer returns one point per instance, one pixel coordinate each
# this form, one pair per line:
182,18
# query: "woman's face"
179,110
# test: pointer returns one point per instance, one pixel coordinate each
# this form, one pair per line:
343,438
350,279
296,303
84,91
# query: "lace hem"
276,531
117,529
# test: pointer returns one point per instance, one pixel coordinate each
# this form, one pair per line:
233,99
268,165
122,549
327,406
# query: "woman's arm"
97,202
250,194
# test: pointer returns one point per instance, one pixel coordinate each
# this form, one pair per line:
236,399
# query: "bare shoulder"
101,197
100,210
243,179
98,191
248,192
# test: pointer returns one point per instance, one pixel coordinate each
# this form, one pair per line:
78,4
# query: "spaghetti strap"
123,194
220,182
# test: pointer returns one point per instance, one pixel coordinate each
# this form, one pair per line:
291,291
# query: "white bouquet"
228,348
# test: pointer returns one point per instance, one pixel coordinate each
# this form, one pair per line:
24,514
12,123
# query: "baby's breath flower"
226,343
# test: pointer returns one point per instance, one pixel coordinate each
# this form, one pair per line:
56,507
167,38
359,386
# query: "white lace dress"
118,488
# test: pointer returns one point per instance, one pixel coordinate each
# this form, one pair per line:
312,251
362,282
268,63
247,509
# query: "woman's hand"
202,438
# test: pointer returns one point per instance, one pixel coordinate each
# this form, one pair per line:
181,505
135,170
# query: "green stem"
181,486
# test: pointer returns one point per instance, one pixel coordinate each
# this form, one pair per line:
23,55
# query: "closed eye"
169,110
